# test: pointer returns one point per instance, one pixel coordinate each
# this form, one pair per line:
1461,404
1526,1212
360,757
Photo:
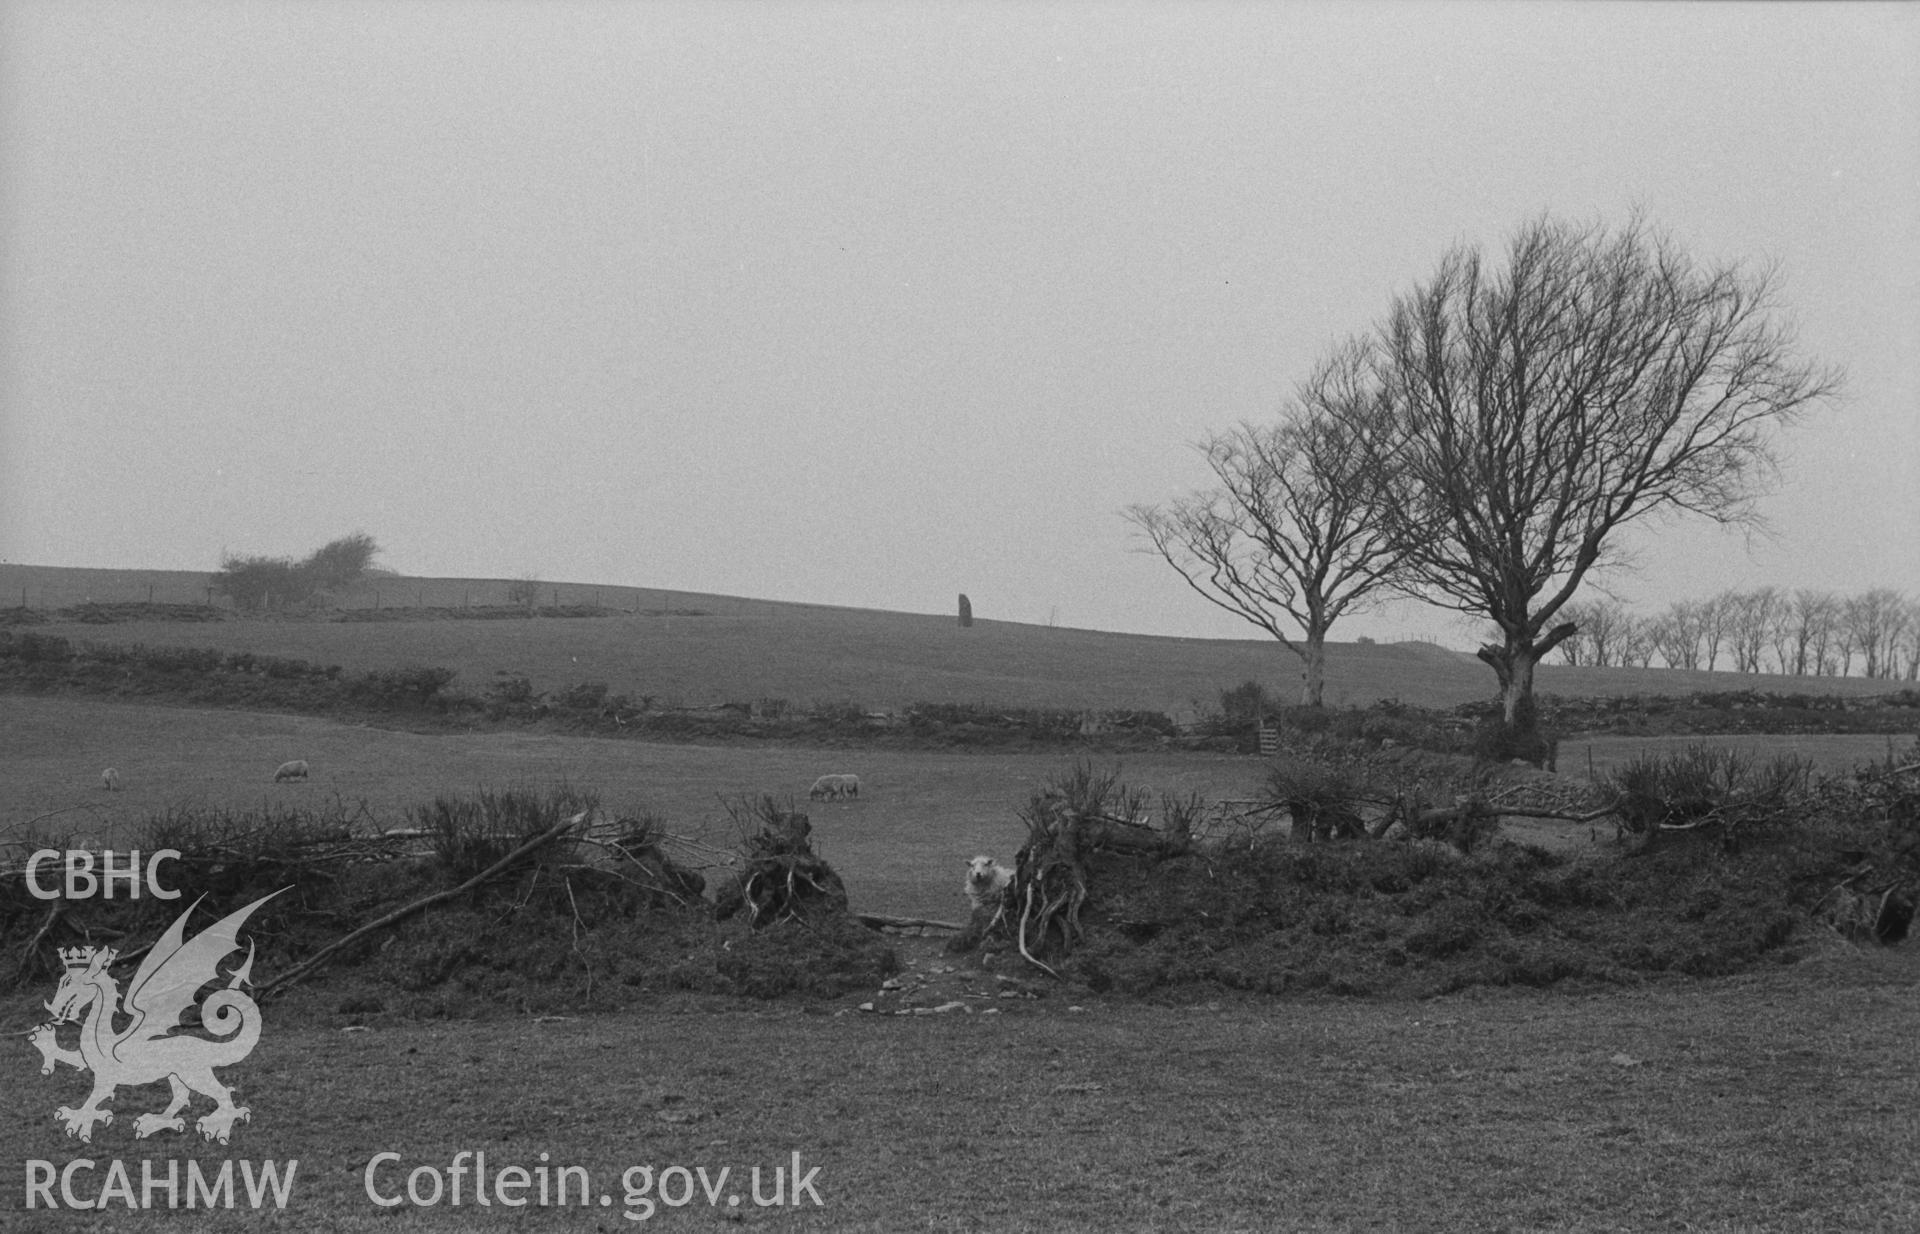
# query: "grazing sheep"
835,786
111,780
294,769
986,879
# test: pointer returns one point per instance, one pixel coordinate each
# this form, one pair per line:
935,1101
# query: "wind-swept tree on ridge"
1594,379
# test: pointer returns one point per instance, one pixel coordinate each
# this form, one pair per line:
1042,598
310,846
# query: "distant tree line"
257,583
1766,630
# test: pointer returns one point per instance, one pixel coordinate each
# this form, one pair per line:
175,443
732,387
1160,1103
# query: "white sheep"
986,879
293,769
110,779
833,786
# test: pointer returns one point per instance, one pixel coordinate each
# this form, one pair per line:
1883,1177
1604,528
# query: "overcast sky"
870,303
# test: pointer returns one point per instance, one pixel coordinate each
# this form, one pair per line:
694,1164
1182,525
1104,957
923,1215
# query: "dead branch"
880,921
400,914
1561,815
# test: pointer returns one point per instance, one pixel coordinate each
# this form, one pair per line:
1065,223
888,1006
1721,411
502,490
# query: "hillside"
689,648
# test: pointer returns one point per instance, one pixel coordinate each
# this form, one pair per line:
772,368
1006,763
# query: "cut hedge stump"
781,877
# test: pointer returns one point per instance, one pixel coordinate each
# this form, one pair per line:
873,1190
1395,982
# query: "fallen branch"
399,914
1561,815
880,921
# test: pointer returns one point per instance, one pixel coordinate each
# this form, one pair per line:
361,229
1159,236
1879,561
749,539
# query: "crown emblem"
82,957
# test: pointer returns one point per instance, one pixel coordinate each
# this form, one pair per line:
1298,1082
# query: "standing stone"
966,611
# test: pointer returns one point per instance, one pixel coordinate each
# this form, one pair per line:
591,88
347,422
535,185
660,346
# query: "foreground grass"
1776,1101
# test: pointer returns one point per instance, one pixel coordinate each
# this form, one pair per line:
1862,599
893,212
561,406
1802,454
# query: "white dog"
986,879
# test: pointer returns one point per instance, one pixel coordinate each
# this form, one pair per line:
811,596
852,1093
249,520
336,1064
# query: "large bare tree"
1593,379
1290,539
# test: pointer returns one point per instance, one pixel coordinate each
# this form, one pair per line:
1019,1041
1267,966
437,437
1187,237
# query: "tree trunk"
1513,664
1313,657
1516,686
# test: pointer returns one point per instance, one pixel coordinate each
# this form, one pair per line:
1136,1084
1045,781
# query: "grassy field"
746,650
901,847
1776,1101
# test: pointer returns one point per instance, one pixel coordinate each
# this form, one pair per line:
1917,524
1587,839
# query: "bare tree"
1900,618
1676,635
1878,619
1635,641
1612,626
1845,640
1910,643
1786,633
1716,626
1292,537
1753,618
1812,625
1577,648
1873,623
1597,629
1596,379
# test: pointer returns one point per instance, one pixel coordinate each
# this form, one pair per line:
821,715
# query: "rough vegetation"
256,582
1719,866
1361,872
510,900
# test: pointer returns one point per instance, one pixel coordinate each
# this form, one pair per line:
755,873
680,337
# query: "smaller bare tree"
1676,634
1635,641
1812,625
1716,621
1910,643
1291,538
1576,648
1753,617
1873,622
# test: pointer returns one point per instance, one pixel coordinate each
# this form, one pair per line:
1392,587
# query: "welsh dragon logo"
147,1048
